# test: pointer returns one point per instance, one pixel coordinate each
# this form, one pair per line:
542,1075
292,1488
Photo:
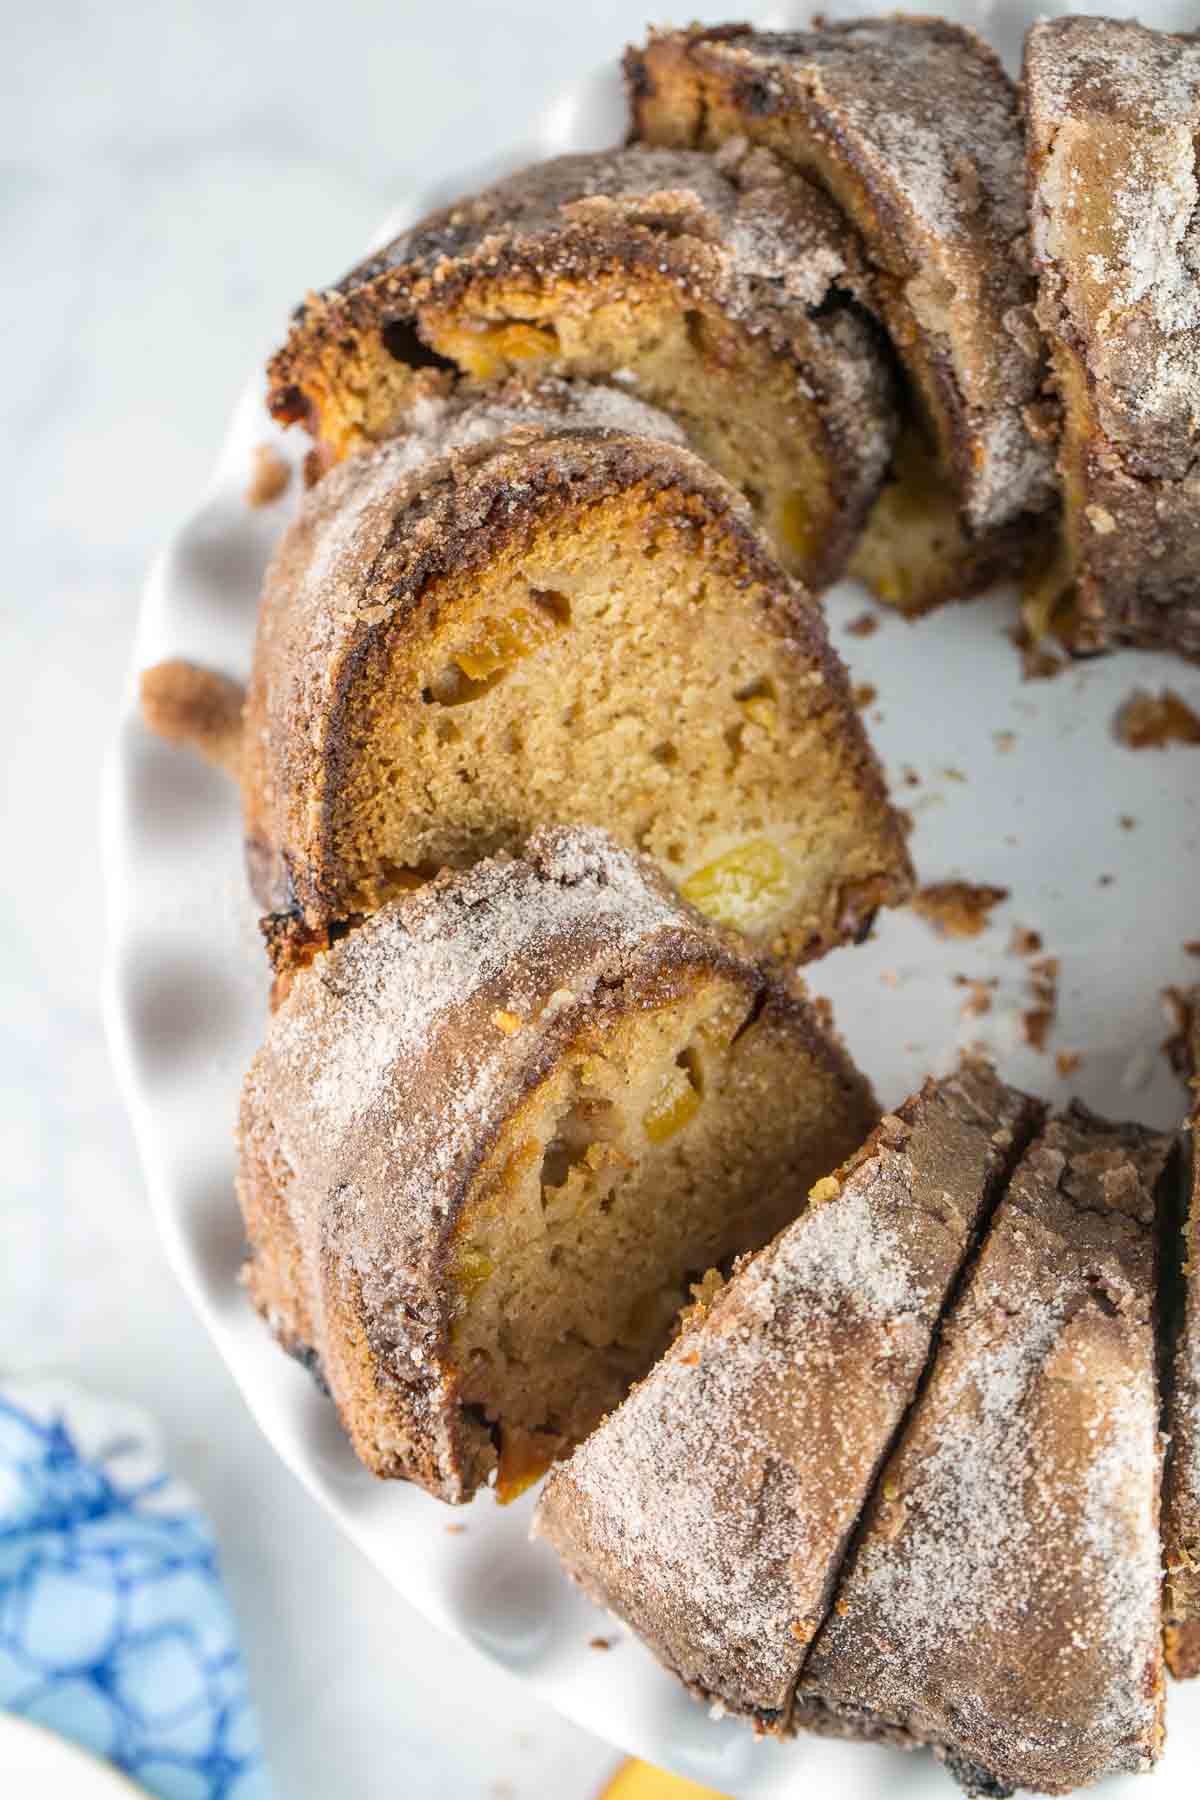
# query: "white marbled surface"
173,177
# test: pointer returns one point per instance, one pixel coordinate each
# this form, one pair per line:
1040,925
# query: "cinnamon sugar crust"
1113,113
1181,1484
1002,1601
719,289
912,126
712,1510
492,1133
494,622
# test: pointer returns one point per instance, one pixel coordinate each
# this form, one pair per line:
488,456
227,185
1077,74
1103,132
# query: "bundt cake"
713,1508
1002,1600
539,610
912,126
496,1131
1181,1485
719,289
1113,116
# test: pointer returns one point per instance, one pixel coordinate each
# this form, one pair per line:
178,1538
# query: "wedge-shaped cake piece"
716,288
538,611
1113,118
911,125
1003,1598
495,1133
712,1510
1181,1491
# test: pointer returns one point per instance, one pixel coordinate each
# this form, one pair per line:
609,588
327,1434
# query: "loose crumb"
977,1002
1038,1022
890,978
957,909
1024,942
186,704
1043,984
1178,1004
1068,1061
455,1530
1005,741
979,994
865,695
270,476
1192,947
909,776
1127,822
1038,662
1148,721
601,1643
1105,880
865,625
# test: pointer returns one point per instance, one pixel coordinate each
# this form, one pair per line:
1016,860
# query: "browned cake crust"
712,1510
1003,1598
1181,1481
1113,116
420,1073
912,125
397,545
716,288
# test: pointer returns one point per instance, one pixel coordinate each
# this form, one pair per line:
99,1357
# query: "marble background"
172,177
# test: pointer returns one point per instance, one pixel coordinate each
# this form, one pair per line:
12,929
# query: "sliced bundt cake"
531,611
911,125
494,1134
713,1508
1181,1487
1113,118
1002,1601
716,288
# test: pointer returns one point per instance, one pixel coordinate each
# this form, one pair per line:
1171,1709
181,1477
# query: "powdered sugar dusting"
1005,1593
345,508
1115,115
845,1256
927,99
740,216
1148,77
383,1072
721,1482
438,425
1182,1485
381,993
927,121
712,1509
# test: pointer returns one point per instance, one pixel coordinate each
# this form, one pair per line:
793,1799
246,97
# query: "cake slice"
712,1510
1181,1485
718,289
1113,117
912,126
543,609
495,1133
1002,1601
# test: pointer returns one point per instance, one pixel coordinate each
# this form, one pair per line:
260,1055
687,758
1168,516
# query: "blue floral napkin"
114,1626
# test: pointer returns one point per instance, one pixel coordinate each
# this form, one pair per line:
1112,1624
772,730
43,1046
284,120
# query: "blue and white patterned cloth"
114,1626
